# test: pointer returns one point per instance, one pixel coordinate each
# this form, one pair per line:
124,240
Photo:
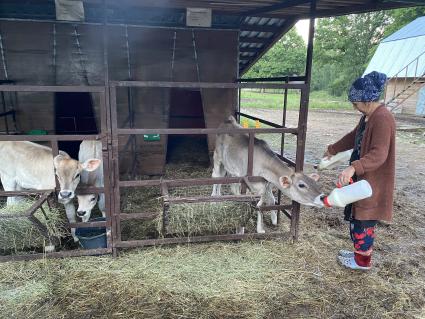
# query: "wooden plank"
207,131
50,88
140,216
205,85
198,239
209,199
47,138
89,224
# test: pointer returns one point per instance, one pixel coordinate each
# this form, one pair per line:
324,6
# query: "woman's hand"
327,154
346,175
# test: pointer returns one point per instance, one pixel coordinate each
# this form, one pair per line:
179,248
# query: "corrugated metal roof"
393,55
415,28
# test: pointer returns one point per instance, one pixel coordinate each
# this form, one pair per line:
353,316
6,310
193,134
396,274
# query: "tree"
344,45
343,48
286,57
401,17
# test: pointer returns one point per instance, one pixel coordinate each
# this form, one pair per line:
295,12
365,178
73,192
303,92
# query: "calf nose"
65,194
80,213
318,200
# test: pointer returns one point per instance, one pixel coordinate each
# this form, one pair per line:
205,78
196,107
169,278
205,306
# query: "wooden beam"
275,7
360,8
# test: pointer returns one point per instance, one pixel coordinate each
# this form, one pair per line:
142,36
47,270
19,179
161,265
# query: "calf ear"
58,159
285,181
91,164
314,176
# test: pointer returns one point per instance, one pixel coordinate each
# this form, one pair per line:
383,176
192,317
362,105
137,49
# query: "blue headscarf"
368,88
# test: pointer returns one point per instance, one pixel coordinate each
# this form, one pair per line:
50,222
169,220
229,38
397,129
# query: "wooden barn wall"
75,57
169,55
408,106
218,59
30,60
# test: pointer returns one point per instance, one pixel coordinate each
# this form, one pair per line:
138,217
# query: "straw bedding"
254,279
21,235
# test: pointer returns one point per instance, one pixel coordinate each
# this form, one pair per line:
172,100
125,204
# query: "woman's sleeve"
344,144
379,147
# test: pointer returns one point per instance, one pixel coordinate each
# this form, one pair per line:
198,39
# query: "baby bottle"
341,197
339,158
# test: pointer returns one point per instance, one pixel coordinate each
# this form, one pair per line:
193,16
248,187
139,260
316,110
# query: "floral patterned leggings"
362,234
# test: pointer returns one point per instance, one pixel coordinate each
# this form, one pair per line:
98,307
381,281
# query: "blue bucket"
93,237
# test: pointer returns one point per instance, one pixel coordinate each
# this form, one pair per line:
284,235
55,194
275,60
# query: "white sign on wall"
198,17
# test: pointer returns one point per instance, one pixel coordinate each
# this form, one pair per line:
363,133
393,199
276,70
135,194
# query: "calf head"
302,188
68,172
85,205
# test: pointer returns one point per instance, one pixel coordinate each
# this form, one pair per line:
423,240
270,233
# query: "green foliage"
401,17
286,57
344,45
343,48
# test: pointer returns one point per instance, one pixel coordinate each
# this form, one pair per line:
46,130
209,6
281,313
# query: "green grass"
271,100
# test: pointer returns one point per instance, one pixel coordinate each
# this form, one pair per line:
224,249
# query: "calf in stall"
27,165
231,158
90,150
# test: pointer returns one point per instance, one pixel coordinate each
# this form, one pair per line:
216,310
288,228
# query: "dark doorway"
186,111
74,115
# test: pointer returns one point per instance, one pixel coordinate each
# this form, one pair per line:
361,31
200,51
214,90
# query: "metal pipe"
52,88
184,131
302,119
207,85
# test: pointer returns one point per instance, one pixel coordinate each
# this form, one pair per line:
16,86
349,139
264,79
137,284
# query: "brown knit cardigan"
376,164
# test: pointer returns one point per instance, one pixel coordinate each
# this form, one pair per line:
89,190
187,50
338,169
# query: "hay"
270,279
20,234
209,218
253,280
184,219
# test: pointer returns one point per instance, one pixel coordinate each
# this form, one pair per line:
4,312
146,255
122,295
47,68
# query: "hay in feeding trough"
18,234
184,219
208,218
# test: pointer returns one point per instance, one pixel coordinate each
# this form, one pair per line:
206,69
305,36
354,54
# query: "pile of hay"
19,234
252,280
197,219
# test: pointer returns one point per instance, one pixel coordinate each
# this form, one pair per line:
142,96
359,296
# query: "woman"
373,159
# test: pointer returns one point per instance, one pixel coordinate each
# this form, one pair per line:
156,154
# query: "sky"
302,29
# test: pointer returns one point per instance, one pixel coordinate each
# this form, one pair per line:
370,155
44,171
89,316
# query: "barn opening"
186,111
74,114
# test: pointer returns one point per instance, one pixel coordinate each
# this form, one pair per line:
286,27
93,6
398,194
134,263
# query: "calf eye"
301,185
93,199
77,176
